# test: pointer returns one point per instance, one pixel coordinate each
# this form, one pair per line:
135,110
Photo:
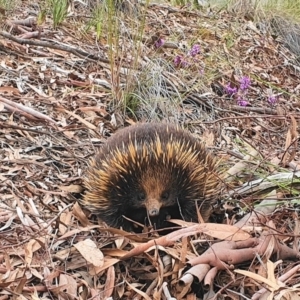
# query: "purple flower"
272,99
242,102
159,43
179,61
230,90
184,63
244,83
195,50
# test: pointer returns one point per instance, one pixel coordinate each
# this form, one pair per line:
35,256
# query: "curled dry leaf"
72,188
88,249
291,137
10,277
65,221
110,282
284,278
271,282
107,263
78,230
219,231
80,215
6,216
36,273
69,284
209,138
95,294
241,165
20,286
114,252
215,230
265,207
144,295
30,248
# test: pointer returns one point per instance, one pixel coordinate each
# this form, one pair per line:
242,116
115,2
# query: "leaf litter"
56,109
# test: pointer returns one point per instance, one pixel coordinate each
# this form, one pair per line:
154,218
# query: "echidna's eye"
141,196
165,195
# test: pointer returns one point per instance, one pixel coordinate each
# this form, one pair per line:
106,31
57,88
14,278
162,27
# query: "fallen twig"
28,110
54,45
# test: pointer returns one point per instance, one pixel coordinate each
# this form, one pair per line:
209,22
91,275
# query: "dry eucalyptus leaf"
73,188
90,252
220,231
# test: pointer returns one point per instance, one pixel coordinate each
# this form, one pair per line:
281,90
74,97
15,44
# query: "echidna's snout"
153,212
153,206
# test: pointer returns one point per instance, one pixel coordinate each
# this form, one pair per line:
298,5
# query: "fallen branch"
224,255
54,45
27,110
169,239
266,183
28,22
277,117
3,125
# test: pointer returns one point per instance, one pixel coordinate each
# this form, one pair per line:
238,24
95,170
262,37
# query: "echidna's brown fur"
151,172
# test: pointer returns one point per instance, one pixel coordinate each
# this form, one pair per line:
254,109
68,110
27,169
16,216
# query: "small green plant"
229,39
131,104
7,6
41,17
98,20
59,11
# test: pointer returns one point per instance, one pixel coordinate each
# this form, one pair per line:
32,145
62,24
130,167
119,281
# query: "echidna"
150,173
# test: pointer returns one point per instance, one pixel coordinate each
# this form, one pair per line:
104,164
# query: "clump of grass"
131,104
153,96
113,22
281,17
194,4
7,6
289,31
59,10
97,20
265,9
41,16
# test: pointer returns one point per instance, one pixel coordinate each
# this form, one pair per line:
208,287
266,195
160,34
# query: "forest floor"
224,76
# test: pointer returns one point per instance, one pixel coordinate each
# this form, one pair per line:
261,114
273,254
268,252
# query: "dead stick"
27,110
277,117
54,45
